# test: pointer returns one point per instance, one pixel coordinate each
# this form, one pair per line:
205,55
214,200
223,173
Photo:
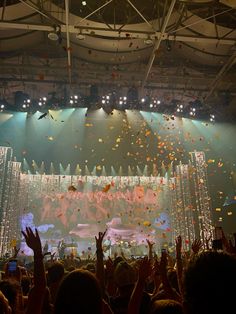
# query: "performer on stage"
61,249
45,248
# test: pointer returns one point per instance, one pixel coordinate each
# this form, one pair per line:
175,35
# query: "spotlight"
24,106
212,117
71,101
122,100
151,105
84,3
192,112
103,101
27,103
2,106
180,108
143,100
158,102
42,101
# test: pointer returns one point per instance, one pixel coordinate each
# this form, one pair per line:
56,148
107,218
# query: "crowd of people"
199,281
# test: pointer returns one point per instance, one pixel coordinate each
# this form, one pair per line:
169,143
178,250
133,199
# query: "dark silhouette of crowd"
199,281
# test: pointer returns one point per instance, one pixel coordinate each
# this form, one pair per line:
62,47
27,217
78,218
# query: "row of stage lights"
108,101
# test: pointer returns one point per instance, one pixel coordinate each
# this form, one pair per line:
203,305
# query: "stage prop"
71,210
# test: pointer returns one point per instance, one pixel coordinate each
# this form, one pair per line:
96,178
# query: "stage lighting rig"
42,101
123,101
180,108
73,100
192,112
212,117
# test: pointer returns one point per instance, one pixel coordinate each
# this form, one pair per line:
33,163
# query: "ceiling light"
84,3
148,41
53,36
80,36
2,106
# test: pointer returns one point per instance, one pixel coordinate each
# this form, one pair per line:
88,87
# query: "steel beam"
68,40
231,61
158,42
134,34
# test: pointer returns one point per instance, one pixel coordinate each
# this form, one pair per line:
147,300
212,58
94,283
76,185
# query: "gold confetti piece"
229,213
147,223
106,188
218,209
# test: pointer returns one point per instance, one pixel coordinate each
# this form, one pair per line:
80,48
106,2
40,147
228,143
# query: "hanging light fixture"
55,35
80,35
148,40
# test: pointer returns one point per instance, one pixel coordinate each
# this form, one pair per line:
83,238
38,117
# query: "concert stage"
73,209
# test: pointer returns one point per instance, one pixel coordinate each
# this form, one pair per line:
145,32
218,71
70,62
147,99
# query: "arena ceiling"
171,49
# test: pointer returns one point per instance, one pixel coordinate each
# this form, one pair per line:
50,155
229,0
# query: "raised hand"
145,269
33,240
99,239
163,263
178,246
228,245
196,246
150,244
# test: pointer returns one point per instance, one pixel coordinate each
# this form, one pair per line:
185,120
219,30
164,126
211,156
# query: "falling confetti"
106,188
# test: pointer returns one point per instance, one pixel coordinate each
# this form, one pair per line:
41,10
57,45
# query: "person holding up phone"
217,243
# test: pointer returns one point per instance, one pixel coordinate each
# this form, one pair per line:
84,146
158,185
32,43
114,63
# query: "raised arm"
145,270
179,263
150,247
36,297
196,246
99,261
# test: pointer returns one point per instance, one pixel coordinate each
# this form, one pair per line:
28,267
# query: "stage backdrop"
76,208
